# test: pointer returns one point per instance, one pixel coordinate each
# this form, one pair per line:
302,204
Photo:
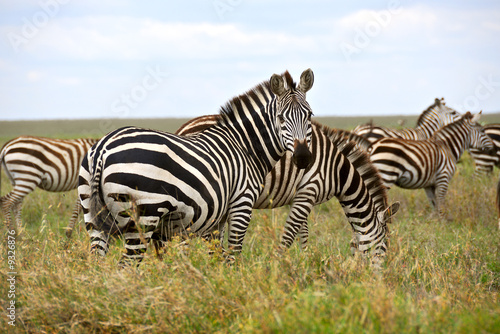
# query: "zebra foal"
46,163
338,169
139,183
430,163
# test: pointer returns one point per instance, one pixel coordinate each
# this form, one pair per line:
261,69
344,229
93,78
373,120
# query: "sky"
74,59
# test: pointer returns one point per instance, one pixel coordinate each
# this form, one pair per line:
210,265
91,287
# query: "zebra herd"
261,151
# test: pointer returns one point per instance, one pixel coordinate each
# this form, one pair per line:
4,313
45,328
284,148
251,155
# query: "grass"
438,277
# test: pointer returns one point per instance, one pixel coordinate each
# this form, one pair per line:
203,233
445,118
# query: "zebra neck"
255,131
427,128
453,140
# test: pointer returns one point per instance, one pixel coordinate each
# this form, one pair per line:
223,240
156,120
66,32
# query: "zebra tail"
102,218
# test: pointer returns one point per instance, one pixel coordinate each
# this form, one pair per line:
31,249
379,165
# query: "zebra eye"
281,119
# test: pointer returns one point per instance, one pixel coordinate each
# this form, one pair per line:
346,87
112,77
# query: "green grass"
439,276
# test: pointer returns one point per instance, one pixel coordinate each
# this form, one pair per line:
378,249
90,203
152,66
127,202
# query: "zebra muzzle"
301,154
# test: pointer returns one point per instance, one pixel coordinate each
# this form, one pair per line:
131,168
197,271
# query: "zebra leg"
17,213
431,195
297,220
74,217
238,218
304,235
99,241
436,195
11,203
137,236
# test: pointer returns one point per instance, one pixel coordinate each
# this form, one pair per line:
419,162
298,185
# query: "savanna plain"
438,277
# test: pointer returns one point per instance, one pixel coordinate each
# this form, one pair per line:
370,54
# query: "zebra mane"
361,161
438,104
431,108
227,111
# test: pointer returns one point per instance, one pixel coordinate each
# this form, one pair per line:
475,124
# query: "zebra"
139,182
340,170
429,163
430,120
486,162
46,163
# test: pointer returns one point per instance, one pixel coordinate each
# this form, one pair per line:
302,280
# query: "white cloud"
34,76
126,38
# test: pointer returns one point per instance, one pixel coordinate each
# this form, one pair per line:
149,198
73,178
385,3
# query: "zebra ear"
277,85
306,80
437,102
390,211
475,118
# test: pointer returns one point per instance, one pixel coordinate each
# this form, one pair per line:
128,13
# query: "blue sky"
65,59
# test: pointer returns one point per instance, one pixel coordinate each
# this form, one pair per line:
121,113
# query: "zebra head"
477,137
293,115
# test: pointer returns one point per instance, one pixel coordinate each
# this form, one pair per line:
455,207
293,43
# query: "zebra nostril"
301,155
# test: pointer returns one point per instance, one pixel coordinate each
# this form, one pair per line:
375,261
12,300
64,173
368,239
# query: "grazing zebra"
340,170
430,163
138,182
486,162
50,164
432,119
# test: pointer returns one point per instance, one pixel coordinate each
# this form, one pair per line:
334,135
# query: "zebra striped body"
432,119
141,183
486,162
340,170
49,164
430,163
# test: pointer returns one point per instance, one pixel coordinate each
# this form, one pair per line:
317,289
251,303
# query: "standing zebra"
50,164
140,182
430,163
432,119
486,162
340,170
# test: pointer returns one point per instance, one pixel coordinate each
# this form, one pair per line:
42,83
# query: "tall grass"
439,276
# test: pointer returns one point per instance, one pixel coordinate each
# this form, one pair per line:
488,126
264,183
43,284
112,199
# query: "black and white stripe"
137,182
46,163
430,120
340,170
484,161
430,163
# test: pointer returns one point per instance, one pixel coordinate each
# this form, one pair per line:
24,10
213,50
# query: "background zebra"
50,164
340,170
486,162
430,163
138,182
430,120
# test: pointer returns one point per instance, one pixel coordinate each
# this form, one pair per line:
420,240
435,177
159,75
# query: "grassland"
439,276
